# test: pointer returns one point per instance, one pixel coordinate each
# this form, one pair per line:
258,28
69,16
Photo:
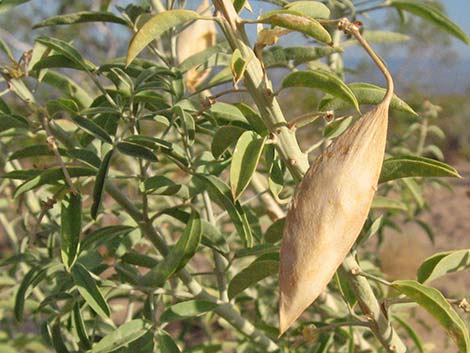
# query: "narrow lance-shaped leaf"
434,302
220,193
251,275
70,228
413,335
31,279
295,21
93,128
120,337
365,94
415,166
224,137
81,17
155,27
187,309
57,339
89,290
99,184
52,176
322,80
314,9
80,327
67,50
136,150
244,161
442,263
179,255
6,5
432,15
166,343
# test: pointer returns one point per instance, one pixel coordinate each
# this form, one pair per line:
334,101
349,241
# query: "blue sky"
459,12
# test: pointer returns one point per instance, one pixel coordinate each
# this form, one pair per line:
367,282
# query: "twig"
51,141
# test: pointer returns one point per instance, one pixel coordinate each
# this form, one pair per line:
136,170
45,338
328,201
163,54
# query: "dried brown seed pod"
197,37
331,205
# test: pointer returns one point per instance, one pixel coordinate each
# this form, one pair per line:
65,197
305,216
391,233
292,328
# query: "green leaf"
227,112
56,61
86,156
179,255
274,232
33,151
278,56
81,17
251,275
442,263
93,128
100,180
120,337
221,194
30,280
133,257
415,166
224,137
434,302
80,327
52,176
166,343
244,161
365,94
238,66
89,290
57,339
386,203
66,50
161,185
68,87
323,80
337,127
70,228
432,15
415,190
411,332
202,57
253,118
187,309
104,235
6,5
295,21
136,150
312,9
155,27
11,121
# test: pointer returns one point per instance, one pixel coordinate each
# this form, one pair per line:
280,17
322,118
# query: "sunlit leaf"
442,263
187,309
89,291
434,302
155,27
322,80
432,15
314,9
244,161
81,17
122,336
415,166
295,21
365,93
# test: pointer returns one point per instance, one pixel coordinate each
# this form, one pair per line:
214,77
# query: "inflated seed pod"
330,206
197,37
